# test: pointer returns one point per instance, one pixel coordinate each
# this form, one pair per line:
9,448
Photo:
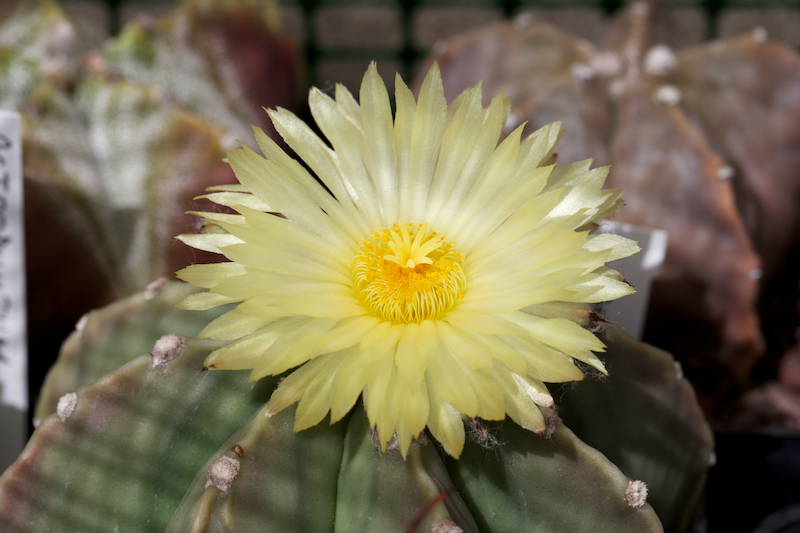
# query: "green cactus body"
107,339
136,450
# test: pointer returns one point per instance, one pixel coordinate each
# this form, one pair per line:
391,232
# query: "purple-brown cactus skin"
705,142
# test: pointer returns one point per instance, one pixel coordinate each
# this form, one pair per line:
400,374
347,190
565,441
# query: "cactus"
114,154
134,449
704,142
314,326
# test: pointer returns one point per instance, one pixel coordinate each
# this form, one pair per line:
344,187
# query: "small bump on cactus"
223,473
66,404
166,348
636,493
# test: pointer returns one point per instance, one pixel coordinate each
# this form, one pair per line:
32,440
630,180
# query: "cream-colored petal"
508,297
352,376
500,165
295,385
233,325
247,351
272,285
316,400
270,230
378,132
382,332
457,146
414,408
403,130
471,354
200,301
233,199
219,218
445,424
544,141
568,175
518,398
325,305
502,206
379,394
599,287
285,168
211,274
228,187
280,260
620,246
545,363
562,334
487,324
426,139
524,221
556,249
348,332
292,348
209,242
348,106
485,143
347,142
322,160
580,313
493,347
266,180
491,404
448,377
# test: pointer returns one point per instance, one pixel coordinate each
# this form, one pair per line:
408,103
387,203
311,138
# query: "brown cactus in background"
705,141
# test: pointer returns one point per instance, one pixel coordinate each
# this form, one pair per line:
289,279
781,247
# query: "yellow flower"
439,275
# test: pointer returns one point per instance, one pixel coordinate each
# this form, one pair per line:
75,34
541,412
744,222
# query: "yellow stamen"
408,274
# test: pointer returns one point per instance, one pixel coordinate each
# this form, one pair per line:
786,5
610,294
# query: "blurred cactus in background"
146,447
118,142
705,142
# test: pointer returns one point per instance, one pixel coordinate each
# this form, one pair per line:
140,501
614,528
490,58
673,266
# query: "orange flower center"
408,274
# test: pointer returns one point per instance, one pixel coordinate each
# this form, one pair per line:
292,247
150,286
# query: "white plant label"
13,315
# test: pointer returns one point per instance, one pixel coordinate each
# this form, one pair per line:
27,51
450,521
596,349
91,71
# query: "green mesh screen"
339,37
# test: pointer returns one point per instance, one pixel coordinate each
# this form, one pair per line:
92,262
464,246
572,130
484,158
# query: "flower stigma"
408,274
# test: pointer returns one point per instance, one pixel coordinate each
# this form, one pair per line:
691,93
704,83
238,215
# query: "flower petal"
426,139
445,424
378,133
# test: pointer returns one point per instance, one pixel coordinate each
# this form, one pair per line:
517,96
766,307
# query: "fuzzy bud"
636,494
446,526
222,473
155,287
66,404
166,348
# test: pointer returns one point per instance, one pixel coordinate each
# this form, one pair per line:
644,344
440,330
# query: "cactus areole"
440,275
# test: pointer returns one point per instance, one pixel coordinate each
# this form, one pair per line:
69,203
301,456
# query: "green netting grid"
407,53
